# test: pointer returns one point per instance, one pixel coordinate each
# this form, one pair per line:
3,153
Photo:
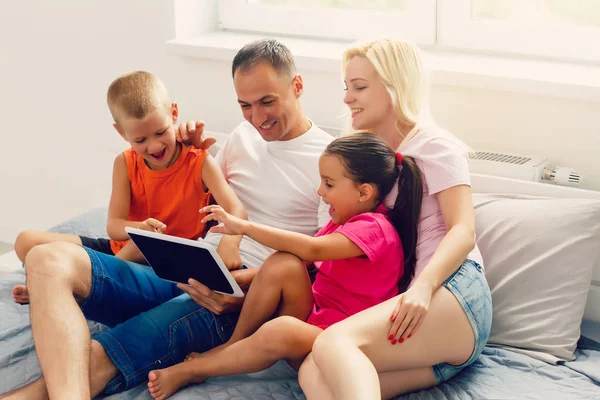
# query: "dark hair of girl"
368,159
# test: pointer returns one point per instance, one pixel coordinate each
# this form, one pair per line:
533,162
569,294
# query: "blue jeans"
153,324
469,286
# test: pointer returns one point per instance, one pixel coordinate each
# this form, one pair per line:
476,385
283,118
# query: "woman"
427,334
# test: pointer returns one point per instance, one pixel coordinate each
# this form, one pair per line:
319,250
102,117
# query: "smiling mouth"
356,111
161,155
266,127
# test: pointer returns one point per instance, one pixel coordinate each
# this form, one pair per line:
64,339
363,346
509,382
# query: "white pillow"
539,255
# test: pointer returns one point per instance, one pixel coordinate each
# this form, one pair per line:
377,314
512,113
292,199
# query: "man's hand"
214,302
152,225
193,132
230,254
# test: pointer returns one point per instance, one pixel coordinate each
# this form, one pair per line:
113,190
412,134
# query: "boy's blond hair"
136,94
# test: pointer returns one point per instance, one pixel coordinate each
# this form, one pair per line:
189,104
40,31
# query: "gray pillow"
539,255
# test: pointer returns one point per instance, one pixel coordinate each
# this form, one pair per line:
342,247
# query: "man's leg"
57,274
111,291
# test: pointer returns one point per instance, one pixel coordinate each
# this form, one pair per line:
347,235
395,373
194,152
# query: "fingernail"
392,318
394,341
401,340
390,337
408,337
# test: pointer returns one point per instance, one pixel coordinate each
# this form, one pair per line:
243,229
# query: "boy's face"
152,137
270,102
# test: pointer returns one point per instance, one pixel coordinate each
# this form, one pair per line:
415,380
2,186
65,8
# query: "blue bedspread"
498,374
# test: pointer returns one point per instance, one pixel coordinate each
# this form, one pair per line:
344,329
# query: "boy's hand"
228,224
230,255
152,225
193,132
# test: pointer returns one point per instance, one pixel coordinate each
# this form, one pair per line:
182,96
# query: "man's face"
270,101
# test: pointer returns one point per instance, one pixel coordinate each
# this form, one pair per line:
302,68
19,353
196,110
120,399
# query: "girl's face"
366,96
345,197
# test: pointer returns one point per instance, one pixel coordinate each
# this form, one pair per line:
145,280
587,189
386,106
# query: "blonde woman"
437,327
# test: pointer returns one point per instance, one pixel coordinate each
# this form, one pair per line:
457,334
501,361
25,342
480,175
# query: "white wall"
58,144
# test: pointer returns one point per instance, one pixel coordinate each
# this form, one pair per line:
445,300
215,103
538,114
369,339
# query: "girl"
426,335
367,264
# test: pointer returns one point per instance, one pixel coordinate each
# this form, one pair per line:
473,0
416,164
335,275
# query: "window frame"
344,24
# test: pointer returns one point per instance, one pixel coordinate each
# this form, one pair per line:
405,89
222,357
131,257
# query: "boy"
159,184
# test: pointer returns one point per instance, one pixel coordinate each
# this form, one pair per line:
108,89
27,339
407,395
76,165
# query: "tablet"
176,259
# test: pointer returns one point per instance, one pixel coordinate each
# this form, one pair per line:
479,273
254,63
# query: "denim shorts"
469,286
153,324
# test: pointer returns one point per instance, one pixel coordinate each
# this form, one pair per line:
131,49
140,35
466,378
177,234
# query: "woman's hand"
228,224
410,312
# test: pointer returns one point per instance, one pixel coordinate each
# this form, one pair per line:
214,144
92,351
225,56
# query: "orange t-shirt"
172,195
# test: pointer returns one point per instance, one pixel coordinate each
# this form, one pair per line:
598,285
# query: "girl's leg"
281,287
27,240
352,353
282,338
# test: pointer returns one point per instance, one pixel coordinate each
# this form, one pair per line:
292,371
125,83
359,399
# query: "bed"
507,369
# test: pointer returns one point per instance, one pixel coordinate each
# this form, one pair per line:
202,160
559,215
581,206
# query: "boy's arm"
215,181
120,199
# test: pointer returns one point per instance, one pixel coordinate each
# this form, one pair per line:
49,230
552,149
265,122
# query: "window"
548,28
335,19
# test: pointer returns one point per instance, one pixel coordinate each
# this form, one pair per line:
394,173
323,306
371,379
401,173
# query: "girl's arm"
329,247
456,205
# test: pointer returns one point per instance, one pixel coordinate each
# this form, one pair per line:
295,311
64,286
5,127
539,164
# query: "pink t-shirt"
444,163
345,287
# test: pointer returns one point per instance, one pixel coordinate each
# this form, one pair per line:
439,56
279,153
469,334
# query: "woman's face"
366,96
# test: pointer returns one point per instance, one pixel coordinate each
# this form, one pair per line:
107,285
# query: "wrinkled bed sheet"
498,374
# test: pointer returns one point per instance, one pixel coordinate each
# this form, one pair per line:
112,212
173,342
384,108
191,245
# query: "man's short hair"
265,50
136,94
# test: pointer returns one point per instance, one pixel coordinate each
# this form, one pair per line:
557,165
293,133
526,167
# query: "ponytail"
405,214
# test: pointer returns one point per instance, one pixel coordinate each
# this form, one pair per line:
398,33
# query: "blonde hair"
136,94
400,68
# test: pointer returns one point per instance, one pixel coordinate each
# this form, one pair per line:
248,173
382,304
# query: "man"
270,161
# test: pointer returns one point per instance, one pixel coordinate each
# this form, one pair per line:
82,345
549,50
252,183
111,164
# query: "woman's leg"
282,338
352,353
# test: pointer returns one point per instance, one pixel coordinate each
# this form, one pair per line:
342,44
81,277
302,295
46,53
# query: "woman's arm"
456,205
329,247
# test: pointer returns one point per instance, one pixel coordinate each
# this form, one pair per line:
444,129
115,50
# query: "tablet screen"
178,262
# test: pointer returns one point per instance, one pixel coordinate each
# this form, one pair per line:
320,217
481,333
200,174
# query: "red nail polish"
394,341
401,340
390,337
408,337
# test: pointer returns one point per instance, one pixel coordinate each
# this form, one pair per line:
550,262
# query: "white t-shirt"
277,183
444,163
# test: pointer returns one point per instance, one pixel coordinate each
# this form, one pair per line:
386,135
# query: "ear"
120,130
298,85
174,112
366,192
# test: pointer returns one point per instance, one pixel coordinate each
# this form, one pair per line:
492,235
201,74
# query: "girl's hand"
228,224
409,313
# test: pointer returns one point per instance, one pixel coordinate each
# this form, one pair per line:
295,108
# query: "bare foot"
162,383
20,294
